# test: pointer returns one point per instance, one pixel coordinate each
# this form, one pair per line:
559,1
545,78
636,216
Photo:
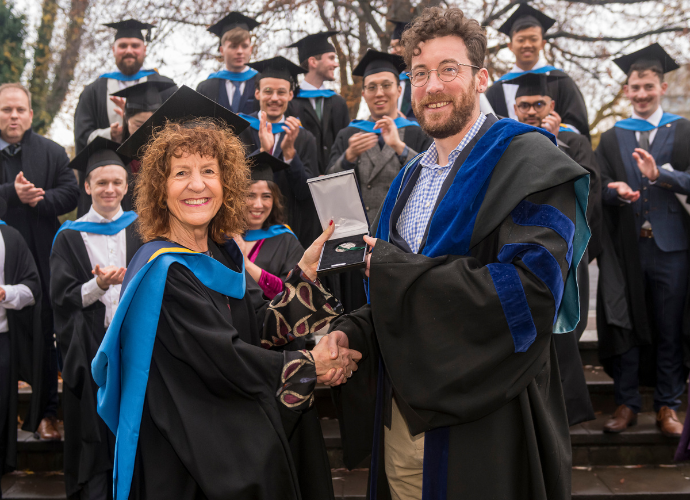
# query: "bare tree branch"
636,36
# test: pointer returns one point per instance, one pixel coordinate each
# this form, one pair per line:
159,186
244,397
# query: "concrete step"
37,454
27,485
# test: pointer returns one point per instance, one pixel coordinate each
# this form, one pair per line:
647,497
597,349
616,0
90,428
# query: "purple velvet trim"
270,284
254,252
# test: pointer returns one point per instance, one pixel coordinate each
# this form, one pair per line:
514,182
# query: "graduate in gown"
21,339
272,131
233,86
271,250
97,113
526,28
320,110
473,270
87,265
203,409
535,106
642,302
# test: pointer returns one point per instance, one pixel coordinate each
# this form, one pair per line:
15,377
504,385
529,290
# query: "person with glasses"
534,105
282,136
472,271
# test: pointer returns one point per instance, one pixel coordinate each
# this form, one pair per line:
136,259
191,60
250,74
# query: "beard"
443,127
129,65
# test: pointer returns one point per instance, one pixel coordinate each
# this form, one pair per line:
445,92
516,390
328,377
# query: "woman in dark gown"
199,409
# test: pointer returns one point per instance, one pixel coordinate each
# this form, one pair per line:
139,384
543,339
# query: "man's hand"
116,128
389,131
332,371
26,191
624,191
358,144
266,134
372,243
552,123
646,164
3,295
107,276
288,145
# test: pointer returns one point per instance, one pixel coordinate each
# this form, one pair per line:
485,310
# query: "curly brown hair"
206,137
436,22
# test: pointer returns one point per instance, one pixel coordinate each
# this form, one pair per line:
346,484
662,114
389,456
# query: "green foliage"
12,34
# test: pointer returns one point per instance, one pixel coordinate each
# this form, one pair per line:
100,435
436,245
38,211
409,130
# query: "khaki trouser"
404,455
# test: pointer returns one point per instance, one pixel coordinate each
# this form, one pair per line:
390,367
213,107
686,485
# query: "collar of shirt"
93,216
430,158
540,64
654,119
308,86
3,144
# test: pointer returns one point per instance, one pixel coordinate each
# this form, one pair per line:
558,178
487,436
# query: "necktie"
236,97
13,149
319,106
644,140
382,142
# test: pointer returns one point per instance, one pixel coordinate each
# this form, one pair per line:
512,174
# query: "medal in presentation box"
337,197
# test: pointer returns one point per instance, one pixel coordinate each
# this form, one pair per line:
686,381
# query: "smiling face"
236,55
107,186
259,204
15,115
527,44
273,95
326,66
194,192
129,54
644,90
381,92
444,109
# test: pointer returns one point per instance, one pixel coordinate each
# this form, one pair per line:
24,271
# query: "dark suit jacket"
215,89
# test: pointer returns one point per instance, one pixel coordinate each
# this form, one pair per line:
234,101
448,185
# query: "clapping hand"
389,132
26,191
266,134
110,275
288,144
552,123
116,128
624,191
358,144
646,164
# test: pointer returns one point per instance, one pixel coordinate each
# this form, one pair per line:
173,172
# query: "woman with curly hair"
200,410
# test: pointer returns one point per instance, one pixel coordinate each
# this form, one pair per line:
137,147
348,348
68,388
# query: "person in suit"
233,86
282,136
38,186
644,262
321,111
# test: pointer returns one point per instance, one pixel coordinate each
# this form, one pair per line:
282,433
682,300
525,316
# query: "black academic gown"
334,118
89,444
92,114
244,448
436,327
216,90
570,104
26,346
279,255
623,317
301,214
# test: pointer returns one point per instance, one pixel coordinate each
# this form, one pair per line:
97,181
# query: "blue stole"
224,74
403,76
3,223
254,122
116,75
315,94
564,127
538,71
122,363
643,125
262,234
106,228
368,125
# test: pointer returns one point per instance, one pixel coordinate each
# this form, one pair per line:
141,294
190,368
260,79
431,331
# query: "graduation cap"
131,28
652,56
232,21
377,62
98,153
399,28
185,104
526,17
264,165
313,45
144,96
534,84
277,67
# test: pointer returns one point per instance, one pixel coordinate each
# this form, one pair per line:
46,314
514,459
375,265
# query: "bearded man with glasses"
472,272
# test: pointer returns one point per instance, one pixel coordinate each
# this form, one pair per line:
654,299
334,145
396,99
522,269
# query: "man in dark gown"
535,106
642,306
526,28
85,290
472,272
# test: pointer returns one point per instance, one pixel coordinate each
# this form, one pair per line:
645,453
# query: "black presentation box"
337,197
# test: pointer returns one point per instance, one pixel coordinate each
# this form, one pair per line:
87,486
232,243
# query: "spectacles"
446,73
373,88
268,91
526,106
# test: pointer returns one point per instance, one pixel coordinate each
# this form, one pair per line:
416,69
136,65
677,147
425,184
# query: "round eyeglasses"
446,73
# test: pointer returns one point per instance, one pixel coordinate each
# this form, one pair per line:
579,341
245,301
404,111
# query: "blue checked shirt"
415,216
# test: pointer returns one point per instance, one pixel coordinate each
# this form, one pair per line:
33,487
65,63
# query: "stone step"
27,485
37,454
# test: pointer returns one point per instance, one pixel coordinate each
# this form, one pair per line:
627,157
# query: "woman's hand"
336,371
242,244
310,260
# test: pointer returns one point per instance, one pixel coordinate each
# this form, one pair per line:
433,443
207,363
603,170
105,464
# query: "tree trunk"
40,83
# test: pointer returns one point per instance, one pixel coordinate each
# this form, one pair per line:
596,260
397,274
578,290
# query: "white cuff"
91,292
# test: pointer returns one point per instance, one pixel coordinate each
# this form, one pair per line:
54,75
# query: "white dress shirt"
654,119
305,85
510,89
230,86
16,296
103,251
113,86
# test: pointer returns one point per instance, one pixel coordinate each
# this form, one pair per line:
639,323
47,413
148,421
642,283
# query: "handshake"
334,361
